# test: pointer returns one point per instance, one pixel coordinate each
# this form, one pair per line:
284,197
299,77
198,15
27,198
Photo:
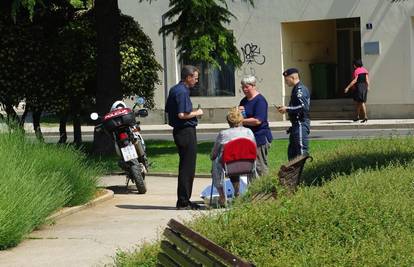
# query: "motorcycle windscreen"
129,152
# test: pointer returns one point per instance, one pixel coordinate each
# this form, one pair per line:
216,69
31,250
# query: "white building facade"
319,37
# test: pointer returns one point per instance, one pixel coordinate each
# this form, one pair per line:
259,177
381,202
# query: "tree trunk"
108,66
11,113
36,124
63,135
23,118
77,131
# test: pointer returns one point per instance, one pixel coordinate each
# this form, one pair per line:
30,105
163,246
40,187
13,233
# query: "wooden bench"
289,177
184,247
261,197
291,172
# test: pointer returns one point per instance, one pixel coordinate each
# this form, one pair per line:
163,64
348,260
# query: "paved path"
92,236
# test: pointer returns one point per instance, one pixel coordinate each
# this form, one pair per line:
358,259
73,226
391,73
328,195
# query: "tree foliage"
199,27
53,68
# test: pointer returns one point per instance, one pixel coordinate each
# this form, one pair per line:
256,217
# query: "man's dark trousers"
298,139
186,141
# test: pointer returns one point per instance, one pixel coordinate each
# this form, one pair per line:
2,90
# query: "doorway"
323,50
348,34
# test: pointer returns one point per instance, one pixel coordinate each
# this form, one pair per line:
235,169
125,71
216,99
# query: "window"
213,81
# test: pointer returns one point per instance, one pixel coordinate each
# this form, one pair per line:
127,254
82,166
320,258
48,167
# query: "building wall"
260,29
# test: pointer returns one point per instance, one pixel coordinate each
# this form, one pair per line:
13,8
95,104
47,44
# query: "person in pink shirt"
360,87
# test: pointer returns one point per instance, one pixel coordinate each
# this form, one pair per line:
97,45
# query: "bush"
147,257
37,179
361,215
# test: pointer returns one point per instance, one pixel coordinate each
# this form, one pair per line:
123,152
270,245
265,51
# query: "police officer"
298,112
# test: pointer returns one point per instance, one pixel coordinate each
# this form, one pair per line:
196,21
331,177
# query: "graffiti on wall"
251,54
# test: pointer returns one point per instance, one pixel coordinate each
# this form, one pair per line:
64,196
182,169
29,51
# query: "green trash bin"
323,77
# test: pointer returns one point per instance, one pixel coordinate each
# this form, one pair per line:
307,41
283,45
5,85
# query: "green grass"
36,180
355,211
163,155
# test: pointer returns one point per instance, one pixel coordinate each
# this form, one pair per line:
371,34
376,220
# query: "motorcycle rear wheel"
138,179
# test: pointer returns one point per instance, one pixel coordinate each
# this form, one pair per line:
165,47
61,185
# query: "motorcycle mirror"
94,116
142,113
140,100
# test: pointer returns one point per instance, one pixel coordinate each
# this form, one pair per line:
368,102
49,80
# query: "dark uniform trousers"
298,139
186,141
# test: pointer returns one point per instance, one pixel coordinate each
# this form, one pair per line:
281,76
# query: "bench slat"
207,244
165,261
290,173
177,256
188,249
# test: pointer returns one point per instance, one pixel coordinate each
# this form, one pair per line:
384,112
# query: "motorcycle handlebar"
99,127
141,113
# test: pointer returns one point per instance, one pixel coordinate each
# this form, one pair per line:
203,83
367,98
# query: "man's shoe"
194,206
188,207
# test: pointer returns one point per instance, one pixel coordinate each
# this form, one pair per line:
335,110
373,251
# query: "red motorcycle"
121,125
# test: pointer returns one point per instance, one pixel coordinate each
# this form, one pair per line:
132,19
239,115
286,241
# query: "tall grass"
37,179
359,214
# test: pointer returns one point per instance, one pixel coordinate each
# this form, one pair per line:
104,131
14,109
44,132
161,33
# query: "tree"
198,26
26,62
199,30
59,62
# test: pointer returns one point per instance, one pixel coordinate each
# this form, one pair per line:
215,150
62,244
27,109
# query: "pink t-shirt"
359,70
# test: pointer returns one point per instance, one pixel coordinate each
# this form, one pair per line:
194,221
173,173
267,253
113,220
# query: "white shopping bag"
228,187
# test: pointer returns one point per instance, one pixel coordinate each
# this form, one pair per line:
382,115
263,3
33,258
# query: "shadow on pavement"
145,207
122,189
151,207
340,122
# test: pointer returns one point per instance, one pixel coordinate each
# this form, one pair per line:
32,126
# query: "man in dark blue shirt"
254,107
184,120
298,112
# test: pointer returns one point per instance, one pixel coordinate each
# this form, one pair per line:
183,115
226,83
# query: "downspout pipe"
164,59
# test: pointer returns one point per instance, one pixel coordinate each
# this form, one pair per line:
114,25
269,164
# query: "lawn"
163,155
354,209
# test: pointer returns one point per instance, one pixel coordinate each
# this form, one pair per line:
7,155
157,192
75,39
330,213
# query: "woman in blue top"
254,109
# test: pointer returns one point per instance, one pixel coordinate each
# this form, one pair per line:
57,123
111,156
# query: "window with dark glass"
213,81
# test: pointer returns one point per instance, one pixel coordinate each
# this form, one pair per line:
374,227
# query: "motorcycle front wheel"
138,179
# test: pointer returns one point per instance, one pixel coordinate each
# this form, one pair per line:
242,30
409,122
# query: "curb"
71,210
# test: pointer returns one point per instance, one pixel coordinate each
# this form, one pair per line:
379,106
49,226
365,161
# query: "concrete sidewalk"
274,125
92,236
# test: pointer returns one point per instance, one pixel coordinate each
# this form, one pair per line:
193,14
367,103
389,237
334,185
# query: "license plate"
129,152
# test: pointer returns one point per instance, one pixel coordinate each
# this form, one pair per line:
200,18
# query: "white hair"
249,80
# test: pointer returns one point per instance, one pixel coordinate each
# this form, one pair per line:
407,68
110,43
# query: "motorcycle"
121,125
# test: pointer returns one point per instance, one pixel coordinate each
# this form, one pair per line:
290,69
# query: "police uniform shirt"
299,104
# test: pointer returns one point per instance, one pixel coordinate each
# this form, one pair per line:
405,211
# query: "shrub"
147,257
37,179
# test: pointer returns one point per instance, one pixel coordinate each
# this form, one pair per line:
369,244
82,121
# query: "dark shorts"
360,92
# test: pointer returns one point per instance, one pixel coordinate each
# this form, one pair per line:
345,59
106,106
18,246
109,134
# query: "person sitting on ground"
236,130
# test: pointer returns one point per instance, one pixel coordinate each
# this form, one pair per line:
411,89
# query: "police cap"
290,71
